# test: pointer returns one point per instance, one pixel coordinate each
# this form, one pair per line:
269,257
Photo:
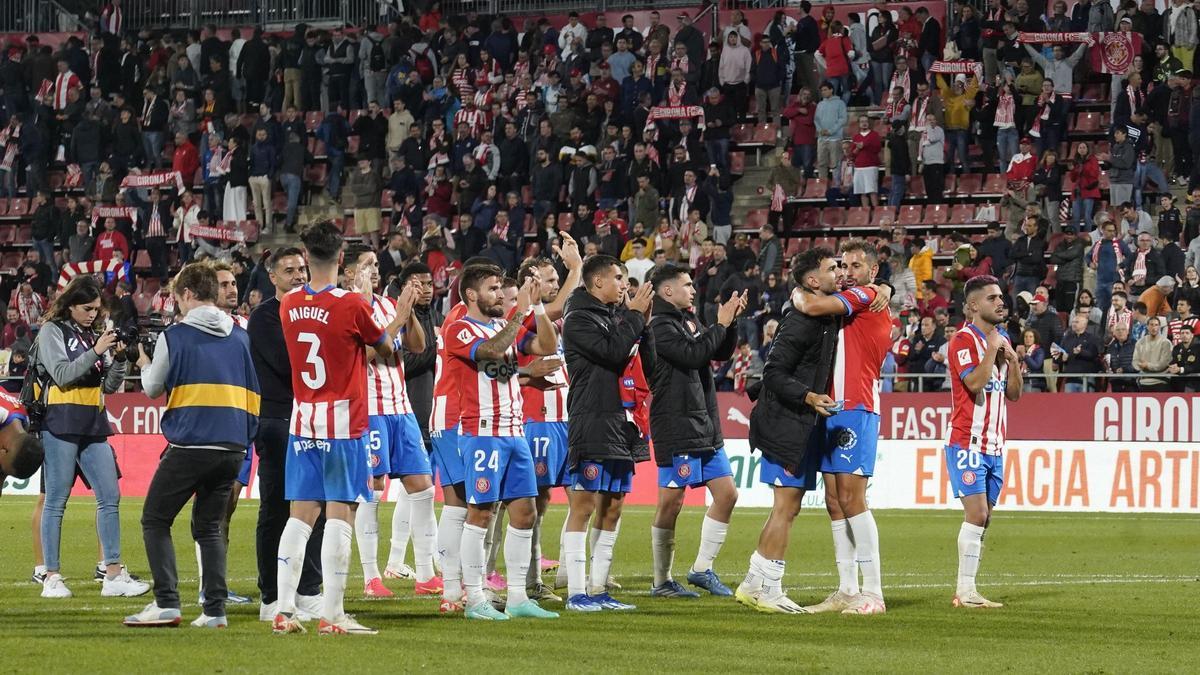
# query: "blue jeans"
1024,283
881,77
1078,386
1082,207
896,195
1006,145
718,153
747,329
842,88
99,466
8,183
1147,171
956,144
291,184
334,184
804,156
152,145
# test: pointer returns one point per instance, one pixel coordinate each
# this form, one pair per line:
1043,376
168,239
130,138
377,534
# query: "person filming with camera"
78,362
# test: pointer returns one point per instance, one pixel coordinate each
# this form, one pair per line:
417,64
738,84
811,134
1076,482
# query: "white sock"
424,536
493,540
39,569
290,560
199,568
593,536
662,545
366,532
843,555
866,551
534,574
517,545
772,576
602,557
449,543
560,575
712,538
401,527
756,575
335,566
970,548
473,562
574,558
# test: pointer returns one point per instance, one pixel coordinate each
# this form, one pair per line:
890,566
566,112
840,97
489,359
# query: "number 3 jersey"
326,332
977,421
489,399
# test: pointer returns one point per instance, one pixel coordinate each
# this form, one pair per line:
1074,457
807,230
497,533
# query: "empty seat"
565,221
909,215
815,188
18,207
970,184
858,216
8,235
142,260
962,214
755,218
937,214
24,235
1088,122
765,133
806,218
916,187
793,246
3,207
742,133
737,162
833,216
993,184
315,174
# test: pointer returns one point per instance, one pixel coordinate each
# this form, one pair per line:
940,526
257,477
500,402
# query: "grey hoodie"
206,318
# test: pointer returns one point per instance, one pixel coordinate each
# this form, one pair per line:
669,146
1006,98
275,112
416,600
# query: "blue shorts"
548,443
974,473
247,465
446,457
496,468
851,439
327,470
774,474
396,446
694,470
609,475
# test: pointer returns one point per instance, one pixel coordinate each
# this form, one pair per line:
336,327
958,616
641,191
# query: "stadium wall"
1074,452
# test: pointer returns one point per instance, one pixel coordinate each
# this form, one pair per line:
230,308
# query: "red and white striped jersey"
541,405
444,414
240,321
326,332
489,391
386,392
977,421
863,343
64,82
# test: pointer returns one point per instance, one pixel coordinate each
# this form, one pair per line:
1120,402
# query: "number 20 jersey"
326,332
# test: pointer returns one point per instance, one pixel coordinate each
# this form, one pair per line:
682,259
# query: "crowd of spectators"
448,136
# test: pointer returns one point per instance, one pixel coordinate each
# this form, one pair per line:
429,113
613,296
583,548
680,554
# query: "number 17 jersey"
326,332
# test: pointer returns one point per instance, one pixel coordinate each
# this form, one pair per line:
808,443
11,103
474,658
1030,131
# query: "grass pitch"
1084,593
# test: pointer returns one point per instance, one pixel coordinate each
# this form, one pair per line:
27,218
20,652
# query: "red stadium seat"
3,207
916,188
815,188
765,133
742,133
353,116
993,185
962,214
279,203
858,216
755,218
793,246
385,200
8,235
24,235
969,184
937,214
315,174
1088,122
807,217
832,216
909,215
150,285
18,207
565,221
11,262
312,120
827,242
142,260
737,162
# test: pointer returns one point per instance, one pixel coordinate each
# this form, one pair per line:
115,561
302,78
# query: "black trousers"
183,472
157,248
273,512
935,182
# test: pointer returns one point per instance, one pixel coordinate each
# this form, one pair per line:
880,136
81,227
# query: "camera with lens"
144,332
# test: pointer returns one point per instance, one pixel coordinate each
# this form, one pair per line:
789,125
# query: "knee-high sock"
970,549
772,576
662,546
843,555
401,528
866,551
449,544
560,576
534,574
290,559
602,557
517,545
493,541
712,538
335,566
574,558
423,535
366,532
473,562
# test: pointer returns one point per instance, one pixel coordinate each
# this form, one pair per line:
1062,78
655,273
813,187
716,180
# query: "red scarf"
1116,246
675,95
1043,114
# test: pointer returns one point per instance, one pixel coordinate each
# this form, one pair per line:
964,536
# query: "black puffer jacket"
683,414
800,361
597,342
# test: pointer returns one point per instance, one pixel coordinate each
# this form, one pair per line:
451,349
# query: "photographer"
76,367
203,365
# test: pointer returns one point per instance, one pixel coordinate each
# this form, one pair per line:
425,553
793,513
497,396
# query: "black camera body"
144,332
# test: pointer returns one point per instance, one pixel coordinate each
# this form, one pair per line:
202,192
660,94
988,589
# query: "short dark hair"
979,283
509,282
200,278
1123,294
668,272
809,261
1141,307
323,241
285,252
354,252
596,264
411,270
473,275
528,265
863,246
28,457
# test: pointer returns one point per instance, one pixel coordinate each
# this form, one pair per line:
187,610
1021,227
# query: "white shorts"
866,181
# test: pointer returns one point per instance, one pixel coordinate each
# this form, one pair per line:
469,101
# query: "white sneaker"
153,616
267,612
308,607
206,621
55,587
866,603
836,602
122,586
969,599
398,571
344,625
778,604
